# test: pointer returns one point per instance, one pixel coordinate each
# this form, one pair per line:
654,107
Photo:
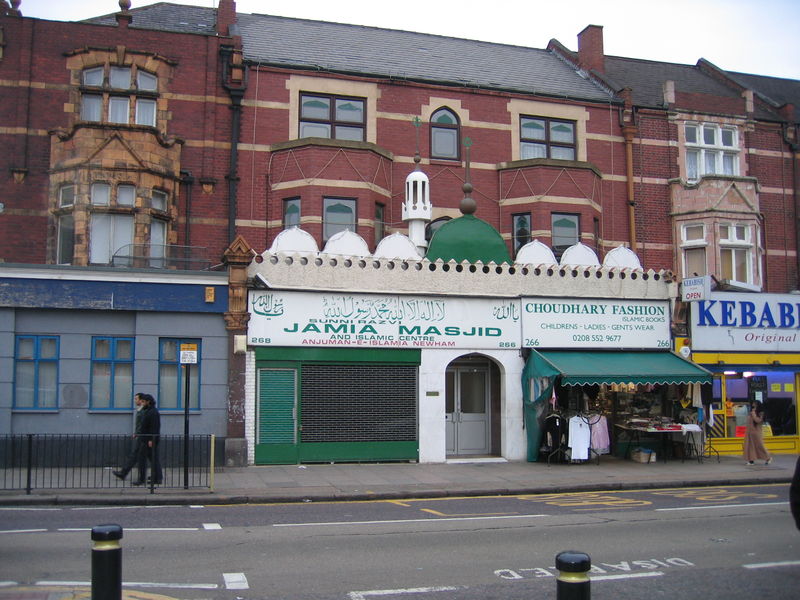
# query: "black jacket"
148,423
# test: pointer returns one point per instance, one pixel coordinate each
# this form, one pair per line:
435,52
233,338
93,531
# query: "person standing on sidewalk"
794,494
753,448
146,433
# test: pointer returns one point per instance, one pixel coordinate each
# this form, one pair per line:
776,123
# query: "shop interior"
775,389
633,419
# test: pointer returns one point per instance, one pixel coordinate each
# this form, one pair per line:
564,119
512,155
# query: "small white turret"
417,209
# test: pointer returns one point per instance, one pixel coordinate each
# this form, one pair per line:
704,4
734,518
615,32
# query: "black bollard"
106,562
573,579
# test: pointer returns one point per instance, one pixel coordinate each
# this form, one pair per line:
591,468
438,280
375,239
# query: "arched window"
130,89
444,134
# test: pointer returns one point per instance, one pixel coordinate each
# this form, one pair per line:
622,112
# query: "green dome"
468,238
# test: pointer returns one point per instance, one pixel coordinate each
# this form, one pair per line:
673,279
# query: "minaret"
417,205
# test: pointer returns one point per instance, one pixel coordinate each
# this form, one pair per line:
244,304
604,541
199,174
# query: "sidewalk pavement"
479,476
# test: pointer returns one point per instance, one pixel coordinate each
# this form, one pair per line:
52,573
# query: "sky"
748,36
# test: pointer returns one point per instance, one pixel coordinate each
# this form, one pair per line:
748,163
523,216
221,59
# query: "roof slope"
407,55
646,79
774,90
164,16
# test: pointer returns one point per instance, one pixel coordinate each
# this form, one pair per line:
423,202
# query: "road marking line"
135,584
784,563
625,576
104,507
423,590
405,521
212,526
70,529
23,530
17,508
725,506
441,514
8,583
235,581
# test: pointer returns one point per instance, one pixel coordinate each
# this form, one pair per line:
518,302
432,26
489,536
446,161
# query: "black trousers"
140,455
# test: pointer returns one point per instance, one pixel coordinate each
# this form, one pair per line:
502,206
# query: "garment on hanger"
554,430
579,437
600,441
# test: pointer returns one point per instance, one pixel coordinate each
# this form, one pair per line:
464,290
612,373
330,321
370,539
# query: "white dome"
535,253
397,245
580,255
622,256
346,243
294,240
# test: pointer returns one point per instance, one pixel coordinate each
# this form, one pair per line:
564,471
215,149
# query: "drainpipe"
188,181
628,132
233,179
234,80
794,148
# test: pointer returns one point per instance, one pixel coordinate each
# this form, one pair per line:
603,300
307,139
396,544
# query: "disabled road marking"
422,590
235,581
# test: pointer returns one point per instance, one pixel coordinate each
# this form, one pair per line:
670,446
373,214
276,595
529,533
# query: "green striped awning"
595,367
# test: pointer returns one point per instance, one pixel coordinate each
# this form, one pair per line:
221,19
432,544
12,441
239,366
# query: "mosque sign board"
585,323
307,319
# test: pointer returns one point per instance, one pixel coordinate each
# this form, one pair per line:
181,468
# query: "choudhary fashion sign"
374,321
570,323
746,322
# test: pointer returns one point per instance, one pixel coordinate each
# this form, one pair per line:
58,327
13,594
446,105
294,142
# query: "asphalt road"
709,543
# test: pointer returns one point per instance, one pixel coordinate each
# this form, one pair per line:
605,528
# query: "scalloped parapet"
380,275
294,239
346,243
535,253
579,255
397,245
622,256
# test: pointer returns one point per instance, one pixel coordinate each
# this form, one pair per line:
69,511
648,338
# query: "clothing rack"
561,447
708,449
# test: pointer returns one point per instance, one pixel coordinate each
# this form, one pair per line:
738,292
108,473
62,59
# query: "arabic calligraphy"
268,305
388,309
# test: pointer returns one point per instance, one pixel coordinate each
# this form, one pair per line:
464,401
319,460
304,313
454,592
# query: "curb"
298,495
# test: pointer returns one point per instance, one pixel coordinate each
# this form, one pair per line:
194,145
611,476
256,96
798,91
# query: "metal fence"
69,461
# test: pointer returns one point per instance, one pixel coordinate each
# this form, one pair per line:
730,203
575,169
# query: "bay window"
693,248
711,149
735,250
333,117
139,92
543,137
108,233
339,215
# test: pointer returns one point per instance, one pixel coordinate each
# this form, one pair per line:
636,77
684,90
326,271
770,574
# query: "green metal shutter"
277,390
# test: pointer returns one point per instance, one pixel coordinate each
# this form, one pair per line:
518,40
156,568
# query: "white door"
467,410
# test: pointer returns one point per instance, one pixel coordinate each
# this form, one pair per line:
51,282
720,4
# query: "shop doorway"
469,406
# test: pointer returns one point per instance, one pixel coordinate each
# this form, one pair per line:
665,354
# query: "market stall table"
633,435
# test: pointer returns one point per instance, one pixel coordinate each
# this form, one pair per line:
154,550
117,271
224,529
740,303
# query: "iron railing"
155,256
74,461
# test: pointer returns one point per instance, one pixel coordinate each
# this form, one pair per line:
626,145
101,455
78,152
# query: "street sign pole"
188,358
186,430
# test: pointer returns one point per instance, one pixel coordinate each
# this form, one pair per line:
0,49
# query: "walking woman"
146,435
754,448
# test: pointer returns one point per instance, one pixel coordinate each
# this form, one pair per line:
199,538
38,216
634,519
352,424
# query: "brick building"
187,138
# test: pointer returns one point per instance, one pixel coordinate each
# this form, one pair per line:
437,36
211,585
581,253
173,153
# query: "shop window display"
775,389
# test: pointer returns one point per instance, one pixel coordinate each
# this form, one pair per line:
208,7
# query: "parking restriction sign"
188,354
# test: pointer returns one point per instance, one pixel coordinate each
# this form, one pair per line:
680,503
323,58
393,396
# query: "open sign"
695,288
